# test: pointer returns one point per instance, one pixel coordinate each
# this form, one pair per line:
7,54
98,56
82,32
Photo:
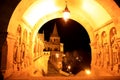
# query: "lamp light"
88,72
57,55
66,13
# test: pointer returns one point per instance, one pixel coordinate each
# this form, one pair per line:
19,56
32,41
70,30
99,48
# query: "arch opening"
76,42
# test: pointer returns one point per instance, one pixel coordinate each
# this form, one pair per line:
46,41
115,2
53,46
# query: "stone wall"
106,49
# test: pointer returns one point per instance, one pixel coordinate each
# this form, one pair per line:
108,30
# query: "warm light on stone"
88,71
39,9
96,13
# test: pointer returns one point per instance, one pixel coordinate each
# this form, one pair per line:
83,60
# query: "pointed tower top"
54,33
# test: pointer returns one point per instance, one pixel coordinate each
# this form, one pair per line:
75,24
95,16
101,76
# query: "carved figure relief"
17,50
105,48
114,45
98,51
19,31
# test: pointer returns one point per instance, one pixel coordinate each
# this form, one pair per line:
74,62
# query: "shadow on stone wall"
6,9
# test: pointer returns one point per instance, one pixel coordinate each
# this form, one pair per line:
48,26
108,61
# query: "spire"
54,33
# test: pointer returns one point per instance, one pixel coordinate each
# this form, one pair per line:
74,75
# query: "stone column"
93,57
31,49
110,55
10,44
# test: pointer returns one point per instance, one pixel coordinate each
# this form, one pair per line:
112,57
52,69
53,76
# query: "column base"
7,73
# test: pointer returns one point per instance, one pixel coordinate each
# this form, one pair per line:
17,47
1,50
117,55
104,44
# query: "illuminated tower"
55,40
55,48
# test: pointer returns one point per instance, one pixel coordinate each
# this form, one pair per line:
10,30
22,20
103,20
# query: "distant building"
55,48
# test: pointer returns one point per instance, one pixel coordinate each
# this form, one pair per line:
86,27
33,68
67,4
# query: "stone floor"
65,78
53,74
52,71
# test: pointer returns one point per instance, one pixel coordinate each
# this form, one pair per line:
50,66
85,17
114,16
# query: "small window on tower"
56,49
117,2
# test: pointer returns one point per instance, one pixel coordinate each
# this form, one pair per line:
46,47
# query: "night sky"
71,33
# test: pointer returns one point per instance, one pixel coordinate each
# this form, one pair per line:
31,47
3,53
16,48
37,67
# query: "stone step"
68,78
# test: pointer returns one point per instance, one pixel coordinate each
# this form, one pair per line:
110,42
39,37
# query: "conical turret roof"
54,33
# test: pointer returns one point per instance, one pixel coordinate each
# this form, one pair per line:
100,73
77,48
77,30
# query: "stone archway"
17,19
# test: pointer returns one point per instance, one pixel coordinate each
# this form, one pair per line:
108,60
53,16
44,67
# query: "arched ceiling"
91,10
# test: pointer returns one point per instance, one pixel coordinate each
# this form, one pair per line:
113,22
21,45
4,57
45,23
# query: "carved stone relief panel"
105,50
19,31
114,47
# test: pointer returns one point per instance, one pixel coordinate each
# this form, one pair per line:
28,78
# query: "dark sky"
72,34
6,10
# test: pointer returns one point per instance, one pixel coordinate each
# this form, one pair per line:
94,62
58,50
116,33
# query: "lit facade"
55,47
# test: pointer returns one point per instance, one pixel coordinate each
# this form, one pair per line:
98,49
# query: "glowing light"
66,16
57,55
77,58
88,71
63,55
66,13
69,67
